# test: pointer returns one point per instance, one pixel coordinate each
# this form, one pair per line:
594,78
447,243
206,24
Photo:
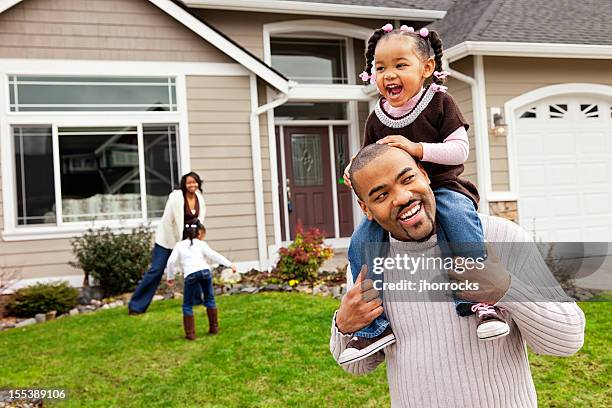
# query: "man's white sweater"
438,360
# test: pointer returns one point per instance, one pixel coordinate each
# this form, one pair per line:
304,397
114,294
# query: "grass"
272,351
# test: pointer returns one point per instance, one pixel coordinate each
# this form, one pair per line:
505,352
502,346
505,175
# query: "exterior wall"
219,110
504,209
507,78
246,28
220,148
99,29
462,93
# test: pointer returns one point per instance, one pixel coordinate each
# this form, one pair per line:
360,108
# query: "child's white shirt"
192,258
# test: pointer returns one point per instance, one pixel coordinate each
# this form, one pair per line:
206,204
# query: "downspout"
257,168
481,131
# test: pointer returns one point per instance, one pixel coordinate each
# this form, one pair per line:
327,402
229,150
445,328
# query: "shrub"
301,260
115,261
43,297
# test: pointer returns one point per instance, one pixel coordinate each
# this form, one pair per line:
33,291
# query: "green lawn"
272,351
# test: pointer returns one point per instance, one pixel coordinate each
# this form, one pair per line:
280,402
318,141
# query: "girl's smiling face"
400,72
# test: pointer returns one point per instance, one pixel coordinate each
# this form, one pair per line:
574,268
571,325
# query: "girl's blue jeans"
459,233
194,283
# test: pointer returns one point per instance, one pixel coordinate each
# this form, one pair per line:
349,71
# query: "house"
105,103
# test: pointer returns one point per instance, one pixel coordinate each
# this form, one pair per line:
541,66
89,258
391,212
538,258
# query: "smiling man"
437,360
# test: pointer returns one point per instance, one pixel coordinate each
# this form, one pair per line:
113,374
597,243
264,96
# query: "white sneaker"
359,347
491,323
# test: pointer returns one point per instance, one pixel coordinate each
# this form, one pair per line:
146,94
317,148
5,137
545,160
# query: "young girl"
189,254
427,123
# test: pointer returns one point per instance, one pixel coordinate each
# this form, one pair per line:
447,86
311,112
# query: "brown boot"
212,320
189,325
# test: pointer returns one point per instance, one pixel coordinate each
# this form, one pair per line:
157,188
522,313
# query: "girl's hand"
234,267
347,179
171,283
412,148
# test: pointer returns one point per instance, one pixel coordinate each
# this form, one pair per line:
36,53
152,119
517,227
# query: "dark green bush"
115,261
43,297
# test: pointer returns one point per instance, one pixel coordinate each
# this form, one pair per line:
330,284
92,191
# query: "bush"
115,261
302,259
43,297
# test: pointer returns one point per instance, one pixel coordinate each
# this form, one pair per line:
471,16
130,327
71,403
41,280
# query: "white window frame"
13,232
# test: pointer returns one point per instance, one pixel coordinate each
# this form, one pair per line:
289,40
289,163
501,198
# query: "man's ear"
365,210
429,67
423,172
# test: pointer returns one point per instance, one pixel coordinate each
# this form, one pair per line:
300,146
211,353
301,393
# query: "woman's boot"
189,325
213,324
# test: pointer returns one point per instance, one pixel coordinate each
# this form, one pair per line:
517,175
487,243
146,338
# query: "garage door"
564,154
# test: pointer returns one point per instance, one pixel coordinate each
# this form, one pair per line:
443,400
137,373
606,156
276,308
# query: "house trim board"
320,9
525,49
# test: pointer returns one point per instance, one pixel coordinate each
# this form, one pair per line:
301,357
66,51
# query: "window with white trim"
68,171
311,60
53,93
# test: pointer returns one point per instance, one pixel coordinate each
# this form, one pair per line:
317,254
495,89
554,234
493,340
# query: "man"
437,360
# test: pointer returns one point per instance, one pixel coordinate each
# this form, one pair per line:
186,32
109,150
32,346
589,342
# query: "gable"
100,29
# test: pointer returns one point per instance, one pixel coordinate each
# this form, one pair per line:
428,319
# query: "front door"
309,188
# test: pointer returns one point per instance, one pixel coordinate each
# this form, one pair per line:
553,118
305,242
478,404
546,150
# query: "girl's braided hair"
431,46
191,231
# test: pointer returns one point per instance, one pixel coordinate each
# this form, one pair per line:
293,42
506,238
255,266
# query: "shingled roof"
532,21
441,5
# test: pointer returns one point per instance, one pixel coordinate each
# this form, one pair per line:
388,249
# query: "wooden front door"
309,188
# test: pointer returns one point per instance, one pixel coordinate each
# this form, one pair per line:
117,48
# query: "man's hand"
412,148
360,306
493,281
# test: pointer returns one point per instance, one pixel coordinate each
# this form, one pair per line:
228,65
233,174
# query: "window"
310,60
99,172
59,93
311,111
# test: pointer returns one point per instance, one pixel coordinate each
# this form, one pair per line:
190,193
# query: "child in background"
427,123
190,255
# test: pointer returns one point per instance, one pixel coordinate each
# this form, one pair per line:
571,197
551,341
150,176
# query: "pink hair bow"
441,75
439,88
407,29
423,32
387,28
365,77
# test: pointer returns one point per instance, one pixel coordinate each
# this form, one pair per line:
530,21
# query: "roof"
417,10
442,5
182,14
527,21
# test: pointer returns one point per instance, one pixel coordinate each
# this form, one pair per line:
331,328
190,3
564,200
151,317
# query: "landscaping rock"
89,293
168,296
40,317
86,309
26,322
9,325
95,302
238,286
106,306
287,288
157,297
73,312
62,316
250,290
227,275
218,291
178,295
272,288
51,315
304,289
116,303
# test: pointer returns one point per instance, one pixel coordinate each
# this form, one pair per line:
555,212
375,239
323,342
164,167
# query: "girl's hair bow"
441,75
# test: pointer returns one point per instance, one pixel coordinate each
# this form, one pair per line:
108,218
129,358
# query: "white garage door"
564,154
